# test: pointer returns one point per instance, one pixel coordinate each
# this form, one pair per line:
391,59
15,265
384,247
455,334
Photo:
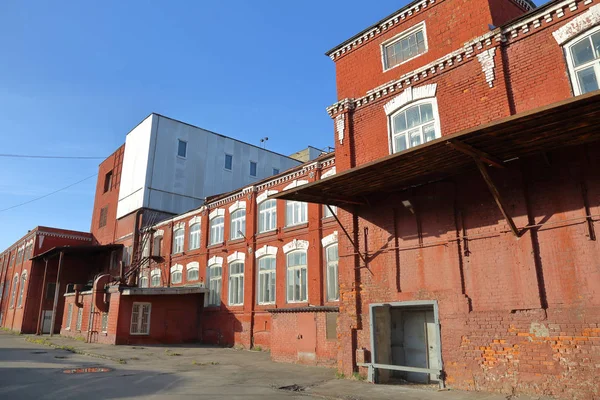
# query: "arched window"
238,224
267,216
236,283
414,124
193,271
583,59
177,273
22,288
144,282
331,259
214,283
217,226
178,235
13,293
155,278
266,280
194,241
297,287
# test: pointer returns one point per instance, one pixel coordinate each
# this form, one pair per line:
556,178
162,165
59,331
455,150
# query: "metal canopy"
85,249
159,291
570,122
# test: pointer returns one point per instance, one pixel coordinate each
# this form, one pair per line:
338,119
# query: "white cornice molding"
577,25
215,260
330,172
236,256
63,236
340,127
329,239
486,59
295,184
295,245
409,95
266,250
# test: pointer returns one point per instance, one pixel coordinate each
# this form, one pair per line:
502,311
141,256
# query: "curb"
46,342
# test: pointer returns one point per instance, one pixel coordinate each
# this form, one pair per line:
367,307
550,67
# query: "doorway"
47,321
405,340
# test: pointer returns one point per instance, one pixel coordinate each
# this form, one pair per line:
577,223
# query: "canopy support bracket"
476,154
356,249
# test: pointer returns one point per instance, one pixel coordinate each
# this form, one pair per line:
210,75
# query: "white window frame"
178,240
194,236
216,229
140,317
69,316
293,269
177,274
299,212
398,37
13,292
436,122
153,274
143,279
194,266
237,224
104,322
571,66
236,283
22,283
215,283
263,276
267,207
327,213
332,282
79,319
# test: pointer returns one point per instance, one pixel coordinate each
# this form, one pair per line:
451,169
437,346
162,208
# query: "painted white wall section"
135,167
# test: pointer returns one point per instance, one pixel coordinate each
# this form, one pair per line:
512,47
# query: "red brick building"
468,184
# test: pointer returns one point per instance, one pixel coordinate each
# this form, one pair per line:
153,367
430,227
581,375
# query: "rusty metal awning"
570,122
162,291
82,250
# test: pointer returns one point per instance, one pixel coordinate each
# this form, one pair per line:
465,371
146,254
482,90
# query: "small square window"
252,168
182,148
228,161
275,171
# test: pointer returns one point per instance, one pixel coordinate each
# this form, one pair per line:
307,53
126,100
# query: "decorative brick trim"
340,126
486,59
215,260
192,265
159,232
196,220
577,25
295,184
295,245
409,95
263,196
155,272
304,309
236,206
236,256
177,268
63,236
266,250
329,239
330,172
180,225
219,212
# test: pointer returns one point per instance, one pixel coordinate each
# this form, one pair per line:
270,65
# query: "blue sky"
76,76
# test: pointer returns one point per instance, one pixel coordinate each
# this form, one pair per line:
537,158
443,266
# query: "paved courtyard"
30,370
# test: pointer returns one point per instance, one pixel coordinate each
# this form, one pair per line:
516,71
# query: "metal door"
433,346
307,338
47,321
415,344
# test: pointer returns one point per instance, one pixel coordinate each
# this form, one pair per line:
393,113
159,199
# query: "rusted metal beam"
586,206
56,292
476,154
42,298
356,249
497,197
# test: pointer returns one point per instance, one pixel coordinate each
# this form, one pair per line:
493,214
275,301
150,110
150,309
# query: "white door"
432,344
47,321
415,344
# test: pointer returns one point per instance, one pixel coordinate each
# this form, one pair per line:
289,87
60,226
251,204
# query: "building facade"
467,181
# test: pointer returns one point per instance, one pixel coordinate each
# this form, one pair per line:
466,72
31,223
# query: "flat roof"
91,249
569,122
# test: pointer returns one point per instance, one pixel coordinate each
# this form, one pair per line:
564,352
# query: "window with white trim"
297,289
144,282
267,216
296,212
194,240
327,213
266,280
217,227
79,318
403,47
13,294
583,59
331,260
178,237
69,316
177,274
22,289
140,319
157,246
193,272
238,224
415,124
155,278
236,283
104,323
214,284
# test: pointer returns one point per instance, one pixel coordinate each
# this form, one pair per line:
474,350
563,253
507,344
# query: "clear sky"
76,76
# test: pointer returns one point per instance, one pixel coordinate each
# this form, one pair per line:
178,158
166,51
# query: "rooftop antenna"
263,142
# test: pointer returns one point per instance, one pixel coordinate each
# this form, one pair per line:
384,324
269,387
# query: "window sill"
296,227
212,246
265,234
235,241
139,334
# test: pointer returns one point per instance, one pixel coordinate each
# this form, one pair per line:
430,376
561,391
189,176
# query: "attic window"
404,46
108,181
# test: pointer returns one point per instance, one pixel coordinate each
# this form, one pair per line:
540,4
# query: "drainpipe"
56,293
41,310
171,225
251,251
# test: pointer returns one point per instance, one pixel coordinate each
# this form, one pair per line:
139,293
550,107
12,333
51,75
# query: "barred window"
103,217
140,319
